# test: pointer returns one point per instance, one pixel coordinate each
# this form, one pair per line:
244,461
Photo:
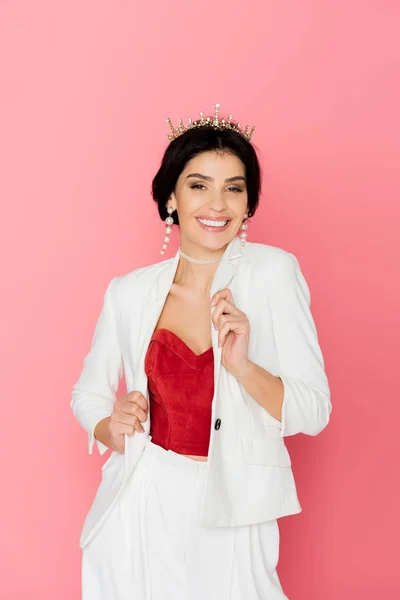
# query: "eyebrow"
208,178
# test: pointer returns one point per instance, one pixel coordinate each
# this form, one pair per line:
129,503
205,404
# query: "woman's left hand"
233,332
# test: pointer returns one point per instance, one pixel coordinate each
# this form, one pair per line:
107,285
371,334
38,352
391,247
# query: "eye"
200,185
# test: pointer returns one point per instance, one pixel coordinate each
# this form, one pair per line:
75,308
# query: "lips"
207,218
214,228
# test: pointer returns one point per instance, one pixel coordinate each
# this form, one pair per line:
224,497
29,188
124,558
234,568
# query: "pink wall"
85,90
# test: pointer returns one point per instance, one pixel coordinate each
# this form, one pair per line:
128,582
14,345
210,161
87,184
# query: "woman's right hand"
127,415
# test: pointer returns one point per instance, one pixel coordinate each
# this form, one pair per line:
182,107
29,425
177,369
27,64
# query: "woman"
221,359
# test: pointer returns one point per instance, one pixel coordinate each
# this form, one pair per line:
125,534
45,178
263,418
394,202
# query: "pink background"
85,90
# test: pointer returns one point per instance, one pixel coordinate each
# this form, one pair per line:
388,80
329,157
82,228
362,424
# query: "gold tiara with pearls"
215,123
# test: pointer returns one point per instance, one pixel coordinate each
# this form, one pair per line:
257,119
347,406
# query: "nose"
218,202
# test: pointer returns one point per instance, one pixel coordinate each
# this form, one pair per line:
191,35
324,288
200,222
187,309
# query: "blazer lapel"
154,302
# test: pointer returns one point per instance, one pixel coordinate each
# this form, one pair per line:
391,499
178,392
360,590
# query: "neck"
193,275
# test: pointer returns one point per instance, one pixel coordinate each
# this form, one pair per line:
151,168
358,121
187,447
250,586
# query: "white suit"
249,478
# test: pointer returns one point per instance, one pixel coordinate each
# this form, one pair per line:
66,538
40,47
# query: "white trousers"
152,547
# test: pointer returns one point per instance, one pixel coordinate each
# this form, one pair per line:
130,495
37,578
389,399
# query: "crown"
214,122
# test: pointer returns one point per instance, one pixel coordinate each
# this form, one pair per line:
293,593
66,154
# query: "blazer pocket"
264,450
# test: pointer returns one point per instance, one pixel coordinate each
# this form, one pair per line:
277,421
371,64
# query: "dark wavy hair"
193,142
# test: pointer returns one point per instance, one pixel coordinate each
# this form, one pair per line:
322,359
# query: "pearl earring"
168,229
243,227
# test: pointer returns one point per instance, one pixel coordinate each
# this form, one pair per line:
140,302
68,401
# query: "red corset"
181,389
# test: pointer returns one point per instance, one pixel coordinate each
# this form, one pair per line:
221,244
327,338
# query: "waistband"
154,452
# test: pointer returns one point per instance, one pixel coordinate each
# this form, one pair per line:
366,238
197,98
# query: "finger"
137,397
234,324
122,429
138,426
224,307
133,410
224,294
129,421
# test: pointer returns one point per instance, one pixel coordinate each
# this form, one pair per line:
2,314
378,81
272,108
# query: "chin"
214,245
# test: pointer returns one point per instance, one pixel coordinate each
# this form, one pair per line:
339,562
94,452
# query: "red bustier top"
181,389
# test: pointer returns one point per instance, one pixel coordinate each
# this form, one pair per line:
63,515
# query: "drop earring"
168,229
243,227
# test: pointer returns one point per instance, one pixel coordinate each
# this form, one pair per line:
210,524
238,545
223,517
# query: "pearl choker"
199,261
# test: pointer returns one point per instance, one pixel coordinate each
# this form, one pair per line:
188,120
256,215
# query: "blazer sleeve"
94,394
306,404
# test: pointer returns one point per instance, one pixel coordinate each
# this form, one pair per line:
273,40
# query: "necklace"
198,261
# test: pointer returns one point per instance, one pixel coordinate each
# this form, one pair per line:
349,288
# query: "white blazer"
249,477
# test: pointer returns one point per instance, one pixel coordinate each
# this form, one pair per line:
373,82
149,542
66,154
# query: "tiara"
214,122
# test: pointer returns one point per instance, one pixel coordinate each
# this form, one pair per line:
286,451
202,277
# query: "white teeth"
213,223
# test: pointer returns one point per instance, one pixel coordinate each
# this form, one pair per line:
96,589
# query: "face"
212,187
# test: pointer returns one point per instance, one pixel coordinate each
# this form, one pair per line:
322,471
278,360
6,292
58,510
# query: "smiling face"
211,199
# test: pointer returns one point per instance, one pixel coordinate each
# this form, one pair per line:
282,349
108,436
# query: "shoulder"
137,280
143,274
271,261
276,273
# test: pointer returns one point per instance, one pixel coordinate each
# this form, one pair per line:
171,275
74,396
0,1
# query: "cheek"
238,205
189,203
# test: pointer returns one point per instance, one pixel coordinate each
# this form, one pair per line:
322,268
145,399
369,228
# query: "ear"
172,201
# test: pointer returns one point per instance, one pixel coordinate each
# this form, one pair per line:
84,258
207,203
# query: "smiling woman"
195,182
206,201
177,167
221,360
